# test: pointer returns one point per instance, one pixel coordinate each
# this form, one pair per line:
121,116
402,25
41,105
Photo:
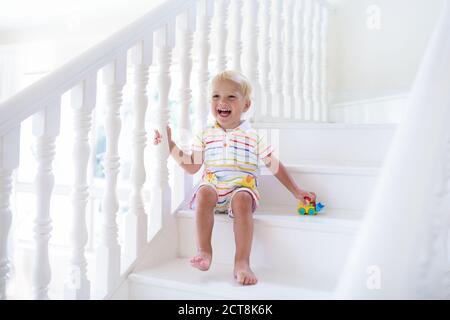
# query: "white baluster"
9,160
288,86
183,181
108,252
206,9
307,76
324,64
297,110
46,125
136,218
160,203
84,96
266,95
251,58
222,35
236,52
315,65
277,50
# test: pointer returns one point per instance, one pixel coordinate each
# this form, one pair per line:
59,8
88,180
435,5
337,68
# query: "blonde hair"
244,84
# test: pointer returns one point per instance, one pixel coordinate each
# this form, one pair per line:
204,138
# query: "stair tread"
286,216
218,282
331,167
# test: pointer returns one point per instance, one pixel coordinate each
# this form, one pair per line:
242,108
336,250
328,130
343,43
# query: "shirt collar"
244,126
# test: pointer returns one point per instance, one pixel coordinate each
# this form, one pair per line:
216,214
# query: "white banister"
46,125
205,13
160,203
108,251
251,55
186,24
277,51
413,188
221,29
297,109
83,102
236,50
315,63
266,39
279,92
187,27
307,49
9,160
30,100
324,64
288,85
136,218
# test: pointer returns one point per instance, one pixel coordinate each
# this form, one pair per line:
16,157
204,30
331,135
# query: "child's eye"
231,97
216,96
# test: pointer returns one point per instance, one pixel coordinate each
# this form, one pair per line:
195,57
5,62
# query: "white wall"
365,63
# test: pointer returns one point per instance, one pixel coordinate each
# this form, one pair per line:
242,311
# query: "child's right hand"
158,138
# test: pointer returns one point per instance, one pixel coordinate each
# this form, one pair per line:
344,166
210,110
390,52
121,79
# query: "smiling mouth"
224,113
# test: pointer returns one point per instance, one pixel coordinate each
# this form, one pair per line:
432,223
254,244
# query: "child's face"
228,103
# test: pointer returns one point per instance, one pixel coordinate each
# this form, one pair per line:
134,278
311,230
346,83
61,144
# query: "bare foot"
201,261
243,274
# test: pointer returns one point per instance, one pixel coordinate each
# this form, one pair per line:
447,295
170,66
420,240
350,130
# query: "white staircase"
294,257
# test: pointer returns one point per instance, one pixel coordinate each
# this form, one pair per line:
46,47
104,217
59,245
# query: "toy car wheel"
302,211
311,212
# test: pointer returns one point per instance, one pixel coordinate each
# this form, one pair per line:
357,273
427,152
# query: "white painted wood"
316,247
251,56
9,160
265,65
337,186
77,286
109,251
46,125
236,35
206,9
307,70
288,49
160,203
186,63
176,279
30,100
414,186
338,143
315,63
182,181
136,218
221,16
324,64
297,110
382,109
277,51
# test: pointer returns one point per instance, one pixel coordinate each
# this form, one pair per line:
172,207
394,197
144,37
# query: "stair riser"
310,254
332,143
340,191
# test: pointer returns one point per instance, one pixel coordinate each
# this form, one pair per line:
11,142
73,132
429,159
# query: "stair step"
329,141
346,186
315,247
176,279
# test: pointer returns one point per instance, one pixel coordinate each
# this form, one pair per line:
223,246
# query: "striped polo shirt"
231,155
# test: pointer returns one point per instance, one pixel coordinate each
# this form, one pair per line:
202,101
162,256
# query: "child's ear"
247,105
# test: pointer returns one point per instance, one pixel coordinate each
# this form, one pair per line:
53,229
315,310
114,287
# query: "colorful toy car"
311,208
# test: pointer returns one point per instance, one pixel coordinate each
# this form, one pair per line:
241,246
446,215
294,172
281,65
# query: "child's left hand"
301,194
